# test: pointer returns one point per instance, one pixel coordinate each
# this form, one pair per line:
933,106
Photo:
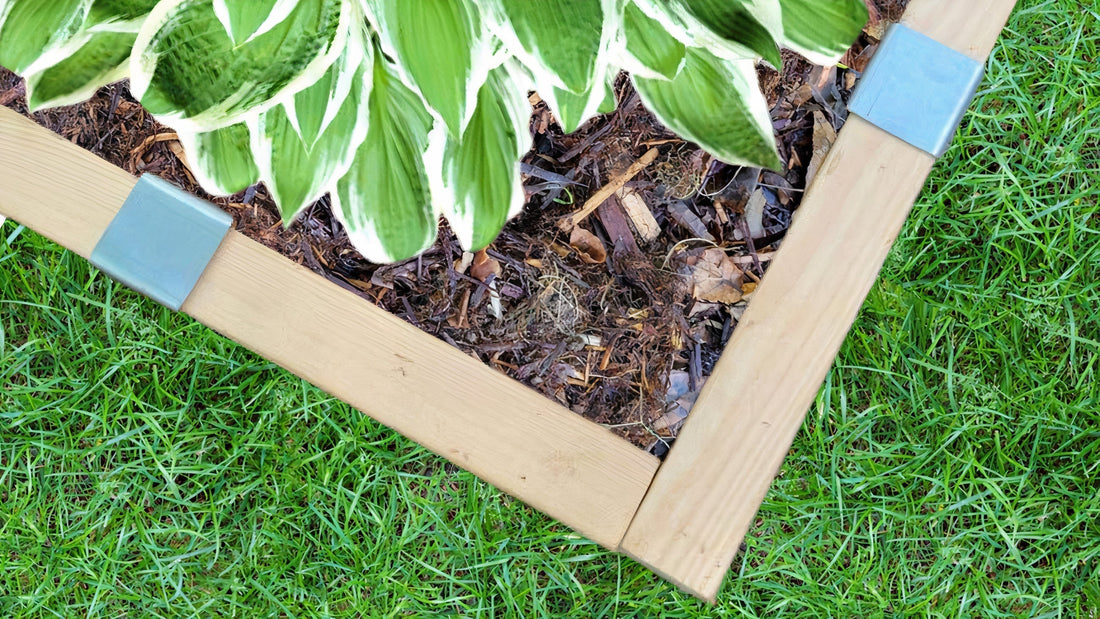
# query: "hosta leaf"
188,71
311,110
109,11
100,61
650,50
573,110
717,104
244,19
299,171
442,50
563,42
822,30
609,103
221,160
729,28
31,29
384,200
478,186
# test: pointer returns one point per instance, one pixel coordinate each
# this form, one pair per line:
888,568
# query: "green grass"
950,466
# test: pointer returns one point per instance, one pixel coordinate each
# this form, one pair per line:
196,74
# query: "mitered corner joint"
917,89
161,241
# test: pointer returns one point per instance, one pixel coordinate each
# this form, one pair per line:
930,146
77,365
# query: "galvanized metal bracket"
161,241
917,89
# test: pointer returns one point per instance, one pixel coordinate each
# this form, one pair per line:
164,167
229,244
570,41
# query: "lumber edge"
706,495
508,435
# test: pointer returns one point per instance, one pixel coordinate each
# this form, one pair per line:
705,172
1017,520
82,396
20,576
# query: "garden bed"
683,518
623,327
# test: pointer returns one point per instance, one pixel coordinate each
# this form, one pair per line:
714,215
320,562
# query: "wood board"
708,490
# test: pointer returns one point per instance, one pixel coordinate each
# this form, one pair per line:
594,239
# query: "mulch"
621,323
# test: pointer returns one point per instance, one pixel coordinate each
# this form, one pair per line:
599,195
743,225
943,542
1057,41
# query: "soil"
620,329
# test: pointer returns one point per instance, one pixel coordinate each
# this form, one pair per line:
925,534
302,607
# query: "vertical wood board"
707,492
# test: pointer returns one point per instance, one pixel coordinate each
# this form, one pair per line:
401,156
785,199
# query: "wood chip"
824,137
641,217
754,214
876,25
686,219
615,222
460,319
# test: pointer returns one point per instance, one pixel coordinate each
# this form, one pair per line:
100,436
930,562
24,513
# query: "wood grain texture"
706,494
483,421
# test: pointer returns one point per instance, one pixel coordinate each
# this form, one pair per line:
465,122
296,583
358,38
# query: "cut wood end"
706,590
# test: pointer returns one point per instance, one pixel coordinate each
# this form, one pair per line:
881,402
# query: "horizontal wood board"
476,417
706,494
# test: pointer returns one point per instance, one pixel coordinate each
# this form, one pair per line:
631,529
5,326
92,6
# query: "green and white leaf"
715,103
573,110
476,179
95,55
297,170
384,201
564,43
221,160
187,70
442,50
646,48
33,32
111,12
101,60
244,20
312,110
822,30
728,28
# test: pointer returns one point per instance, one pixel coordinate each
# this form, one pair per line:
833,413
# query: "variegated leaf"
564,43
102,59
31,31
715,103
299,170
476,179
187,70
822,30
245,19
221,160
312,110
728,28
93,56
573,110
442,49
648,49
384,201
117,11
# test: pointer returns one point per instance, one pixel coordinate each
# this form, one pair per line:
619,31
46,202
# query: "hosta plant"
405,110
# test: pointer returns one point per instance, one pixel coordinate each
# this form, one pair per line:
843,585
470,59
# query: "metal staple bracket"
917,89
161,241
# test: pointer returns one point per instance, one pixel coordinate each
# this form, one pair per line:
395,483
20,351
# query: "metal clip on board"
161,241
917,89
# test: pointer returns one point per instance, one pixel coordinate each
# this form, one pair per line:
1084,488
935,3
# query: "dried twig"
618,182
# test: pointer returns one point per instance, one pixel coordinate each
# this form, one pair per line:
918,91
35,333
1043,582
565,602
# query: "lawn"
950,465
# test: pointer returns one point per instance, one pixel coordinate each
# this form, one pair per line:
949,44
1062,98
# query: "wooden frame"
684,521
